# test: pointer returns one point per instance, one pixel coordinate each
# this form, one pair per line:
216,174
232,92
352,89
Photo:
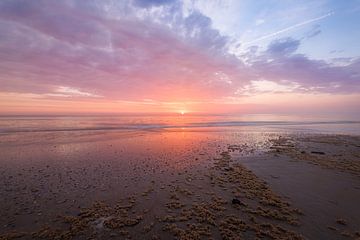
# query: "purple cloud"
124,58
279,64
283,46
149,3
125,50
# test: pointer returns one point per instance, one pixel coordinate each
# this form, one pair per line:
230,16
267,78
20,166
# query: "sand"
179,184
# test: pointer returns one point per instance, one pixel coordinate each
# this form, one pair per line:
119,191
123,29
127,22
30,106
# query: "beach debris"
318,152
346,234
99,223
273,176
333,228
341,221
237,201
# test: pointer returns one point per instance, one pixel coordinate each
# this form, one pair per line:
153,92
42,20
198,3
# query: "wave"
143,126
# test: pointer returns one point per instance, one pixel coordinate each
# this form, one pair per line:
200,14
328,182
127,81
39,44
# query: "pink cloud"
134,53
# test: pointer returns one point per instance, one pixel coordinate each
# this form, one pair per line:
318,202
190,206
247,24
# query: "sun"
182,112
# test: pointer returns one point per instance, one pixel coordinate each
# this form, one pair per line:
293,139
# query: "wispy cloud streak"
274,34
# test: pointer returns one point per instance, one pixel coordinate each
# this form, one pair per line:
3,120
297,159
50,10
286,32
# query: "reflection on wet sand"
162,184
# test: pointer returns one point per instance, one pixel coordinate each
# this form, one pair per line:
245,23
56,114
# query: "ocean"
269,123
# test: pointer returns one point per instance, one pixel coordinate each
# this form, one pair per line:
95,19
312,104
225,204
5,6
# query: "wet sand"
230,183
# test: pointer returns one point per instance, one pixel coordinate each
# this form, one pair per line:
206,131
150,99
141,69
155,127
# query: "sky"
172,56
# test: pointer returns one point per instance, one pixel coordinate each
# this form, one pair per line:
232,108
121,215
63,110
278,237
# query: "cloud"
265,86
283,46
149,3
314,31
72,92
121,58
279,63
131,50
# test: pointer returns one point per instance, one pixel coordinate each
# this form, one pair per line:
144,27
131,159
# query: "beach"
175,180
179,119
